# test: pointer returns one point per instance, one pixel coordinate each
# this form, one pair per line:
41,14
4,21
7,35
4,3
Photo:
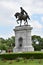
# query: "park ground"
22,62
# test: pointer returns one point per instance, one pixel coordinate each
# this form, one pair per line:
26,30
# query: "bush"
29,55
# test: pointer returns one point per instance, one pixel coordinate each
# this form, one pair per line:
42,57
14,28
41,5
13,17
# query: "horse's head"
16,14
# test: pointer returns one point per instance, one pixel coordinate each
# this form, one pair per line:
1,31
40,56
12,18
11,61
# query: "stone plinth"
23,41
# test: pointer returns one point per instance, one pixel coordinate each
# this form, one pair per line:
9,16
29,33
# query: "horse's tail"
28,17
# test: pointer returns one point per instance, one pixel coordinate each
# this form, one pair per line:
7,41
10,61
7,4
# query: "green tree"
5,44
2,40
37,46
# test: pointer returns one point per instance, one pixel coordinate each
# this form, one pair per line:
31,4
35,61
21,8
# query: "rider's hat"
20,7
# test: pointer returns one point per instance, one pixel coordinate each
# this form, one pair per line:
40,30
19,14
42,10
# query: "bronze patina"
22,16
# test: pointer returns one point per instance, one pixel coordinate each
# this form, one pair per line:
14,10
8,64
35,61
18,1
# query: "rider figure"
23,11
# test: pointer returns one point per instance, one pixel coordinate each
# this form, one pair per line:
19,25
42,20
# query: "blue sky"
8,22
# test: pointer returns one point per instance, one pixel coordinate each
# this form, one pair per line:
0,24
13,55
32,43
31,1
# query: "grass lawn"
22,62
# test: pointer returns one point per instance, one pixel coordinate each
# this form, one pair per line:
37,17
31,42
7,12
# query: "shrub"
28,55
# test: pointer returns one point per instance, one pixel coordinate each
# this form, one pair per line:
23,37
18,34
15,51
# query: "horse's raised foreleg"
17,21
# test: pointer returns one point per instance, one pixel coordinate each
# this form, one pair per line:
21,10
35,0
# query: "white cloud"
36,24
9,5
33,6
36,32
42,18
37,28
7,35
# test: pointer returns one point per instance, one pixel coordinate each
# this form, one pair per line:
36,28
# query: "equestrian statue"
22,16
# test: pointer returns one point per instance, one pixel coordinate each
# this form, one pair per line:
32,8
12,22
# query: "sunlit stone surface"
23,41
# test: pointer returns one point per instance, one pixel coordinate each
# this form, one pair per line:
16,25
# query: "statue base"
25,49
23,41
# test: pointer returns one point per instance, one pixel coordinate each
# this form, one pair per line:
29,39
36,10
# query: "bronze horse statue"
21,17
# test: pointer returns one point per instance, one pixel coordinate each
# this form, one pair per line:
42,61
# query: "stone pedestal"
23,41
